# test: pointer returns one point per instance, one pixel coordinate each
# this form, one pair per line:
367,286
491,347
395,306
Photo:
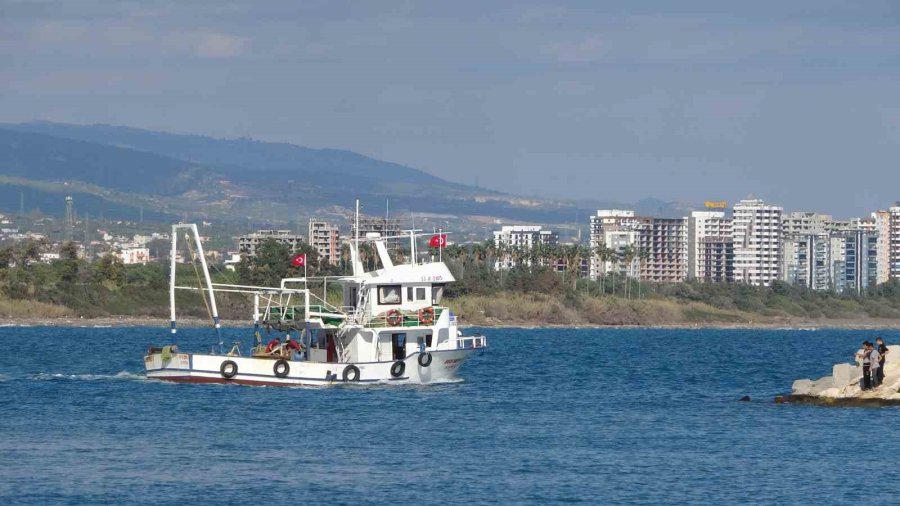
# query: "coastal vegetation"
542,290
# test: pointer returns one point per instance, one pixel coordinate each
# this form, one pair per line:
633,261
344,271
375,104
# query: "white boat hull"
204,368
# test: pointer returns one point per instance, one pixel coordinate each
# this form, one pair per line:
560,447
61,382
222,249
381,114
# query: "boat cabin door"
398,344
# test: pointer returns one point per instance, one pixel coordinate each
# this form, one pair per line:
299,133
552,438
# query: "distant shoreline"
163,324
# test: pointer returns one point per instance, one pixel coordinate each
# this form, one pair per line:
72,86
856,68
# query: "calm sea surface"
599,416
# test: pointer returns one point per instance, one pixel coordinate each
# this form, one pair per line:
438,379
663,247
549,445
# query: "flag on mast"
299,260
438,241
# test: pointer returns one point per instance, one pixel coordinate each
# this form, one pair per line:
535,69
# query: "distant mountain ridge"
233,179
234,157
37,156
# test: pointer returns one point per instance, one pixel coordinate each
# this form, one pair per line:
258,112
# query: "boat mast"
354,248
172,278
212,295
209,286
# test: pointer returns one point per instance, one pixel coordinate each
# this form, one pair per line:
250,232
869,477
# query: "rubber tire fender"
228,369
284,365
398,369
351,374
425,359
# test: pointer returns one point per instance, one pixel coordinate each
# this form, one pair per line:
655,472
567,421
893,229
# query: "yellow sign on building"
715,204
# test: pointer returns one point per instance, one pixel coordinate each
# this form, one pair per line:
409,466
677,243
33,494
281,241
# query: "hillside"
44,158
118,170
196,176
244,159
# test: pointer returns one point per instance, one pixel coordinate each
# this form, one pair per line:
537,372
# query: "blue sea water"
543,416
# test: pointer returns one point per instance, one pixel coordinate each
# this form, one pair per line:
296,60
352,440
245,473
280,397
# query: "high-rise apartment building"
882,225
662,249
710,251
326,240
894,242
387,228
247,244
604,222
806,249
518,245
617,241
757,242
853,263
807,260
805,223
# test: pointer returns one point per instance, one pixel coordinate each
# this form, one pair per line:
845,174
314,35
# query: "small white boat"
391,328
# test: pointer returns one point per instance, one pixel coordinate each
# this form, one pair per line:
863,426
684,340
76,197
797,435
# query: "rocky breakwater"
844,386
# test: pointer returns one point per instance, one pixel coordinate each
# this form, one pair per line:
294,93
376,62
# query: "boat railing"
409,318
471,342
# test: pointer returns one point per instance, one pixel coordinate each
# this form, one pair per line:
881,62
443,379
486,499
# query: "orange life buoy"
426,315
394,318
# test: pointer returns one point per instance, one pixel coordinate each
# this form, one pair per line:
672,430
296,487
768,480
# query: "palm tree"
616,259
535,255
456,254
628,255
643,256
479,253
556,254
345,257
604,255
584,253
573,255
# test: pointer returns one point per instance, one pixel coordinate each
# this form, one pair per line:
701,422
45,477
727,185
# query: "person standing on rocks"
882,351
862,358
874,362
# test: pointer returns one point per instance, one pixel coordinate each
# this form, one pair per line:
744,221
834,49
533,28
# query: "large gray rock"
802,387
846,374
810,387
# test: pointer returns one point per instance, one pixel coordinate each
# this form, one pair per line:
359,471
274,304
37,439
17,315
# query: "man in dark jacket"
882,351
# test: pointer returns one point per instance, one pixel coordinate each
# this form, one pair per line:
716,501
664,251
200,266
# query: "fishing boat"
390,328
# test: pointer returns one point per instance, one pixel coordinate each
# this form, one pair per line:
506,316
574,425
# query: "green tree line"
107,287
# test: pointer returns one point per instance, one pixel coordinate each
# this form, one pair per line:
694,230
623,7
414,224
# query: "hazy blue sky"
796,102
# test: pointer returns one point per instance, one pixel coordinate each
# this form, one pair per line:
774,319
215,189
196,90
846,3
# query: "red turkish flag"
299,260
438,241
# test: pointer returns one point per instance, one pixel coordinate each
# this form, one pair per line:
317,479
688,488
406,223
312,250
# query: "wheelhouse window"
437,293
416,293
389,294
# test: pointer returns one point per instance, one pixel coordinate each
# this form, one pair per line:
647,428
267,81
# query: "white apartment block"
710,253
894,242
882,226
610,220
131,256
617,240
757,242
326,240
517,242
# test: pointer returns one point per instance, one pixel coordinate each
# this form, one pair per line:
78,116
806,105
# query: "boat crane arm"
192,230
